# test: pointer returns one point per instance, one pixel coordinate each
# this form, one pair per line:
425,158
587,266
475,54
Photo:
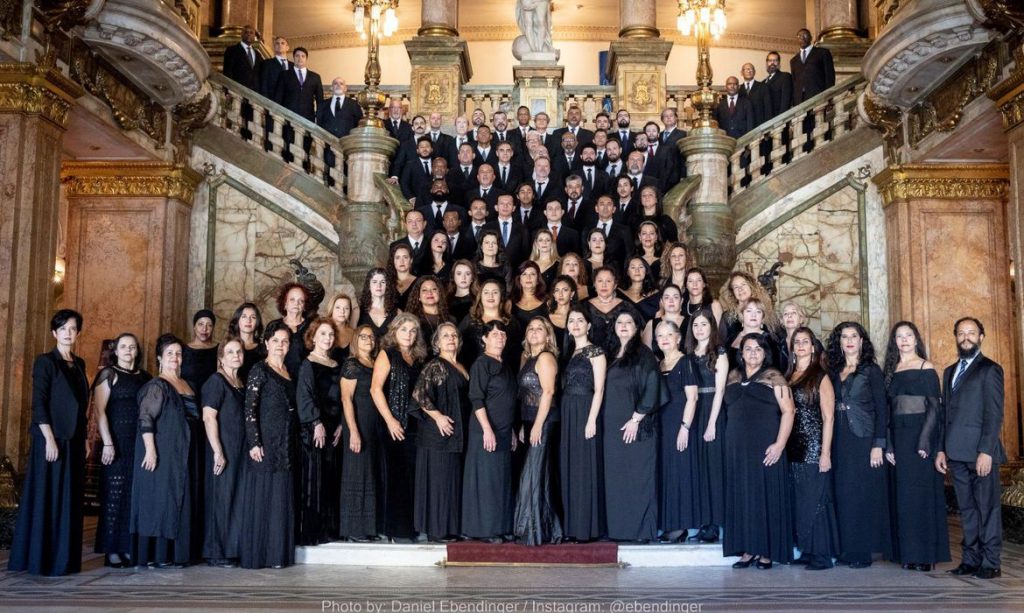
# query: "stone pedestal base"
363,222
440,67
637,68
712,236
539,87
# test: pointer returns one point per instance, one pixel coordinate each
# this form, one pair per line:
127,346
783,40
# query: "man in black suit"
734,114
602,121
339,114
567,239
567,161
671,133
397,128
526,213
574,119
517,133
416,238
417,174
971,449
618,236
635,173
460,245
509,174
622,131
552,144
436,206
272,68
659,161
501,132
477,221
615,166
812,69
595,180
462,175
579,211
477,119
780,84
514,237
242,63
485,151
300,90
444,144
757,93
543,183
407,150
485,188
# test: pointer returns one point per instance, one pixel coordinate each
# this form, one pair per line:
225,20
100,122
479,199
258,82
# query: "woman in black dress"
753,319
595,250
487,502
641,289
460,289
563,299
378,302
115,398
490,260
809,452
224,418
678,509
651,211
632,396
268,516
48,531
605,307
536,521
697,296
675,258
318,398
165,496
429,304
442,394
862,422
438,261
670,307
342,311
711,369
395,371
922,534
400,272
529,294
580,450
247,325
291,304
362,467
490,305
648,247
572,266
758,511
544,254
199,357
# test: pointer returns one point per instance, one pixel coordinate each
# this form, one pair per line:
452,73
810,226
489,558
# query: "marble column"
440,67
128,249
712,236
946,235
837,26
34,107
439,18
638,19
362,223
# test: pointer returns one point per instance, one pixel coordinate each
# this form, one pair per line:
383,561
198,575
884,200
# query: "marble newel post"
713,233
34,107
440,62
837,26
636,64
362,222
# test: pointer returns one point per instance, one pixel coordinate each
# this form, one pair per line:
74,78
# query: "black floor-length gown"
710,455
862,492
919,497
678,505
437,505
400,456
48,531
580,458
631,471
758,512
268,517
112,534
535,520
224,499
318,396
487,501
814,514
362,474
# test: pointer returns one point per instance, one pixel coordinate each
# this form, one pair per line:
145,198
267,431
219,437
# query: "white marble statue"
534,19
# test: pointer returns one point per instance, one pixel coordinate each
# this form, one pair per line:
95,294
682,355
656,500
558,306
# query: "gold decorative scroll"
29,89
139,179
943,181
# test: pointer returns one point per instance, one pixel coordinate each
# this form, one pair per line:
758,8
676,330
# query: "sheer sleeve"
928,439
305,392
107,375
151,404
427,386
43,372
253,390
213,393
350,369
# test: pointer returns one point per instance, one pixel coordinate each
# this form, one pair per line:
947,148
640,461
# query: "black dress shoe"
744,563
818,565
860,564
708,537
761,564
962,570
358,539
988,573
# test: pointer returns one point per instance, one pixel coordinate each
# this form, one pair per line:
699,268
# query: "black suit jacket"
673,137
761,100
518,248
301,99
415,183
740,121
582,217
491,198
458,185
553,188
613,176
973,412
536,221
568,240
418,256
583,136
464,247
54,401
780,88
429,212
561,168
238,69
444,147
403,133
512,181
342,122
270,73
627,144
600,183
491,157
812,76
662,167
405,155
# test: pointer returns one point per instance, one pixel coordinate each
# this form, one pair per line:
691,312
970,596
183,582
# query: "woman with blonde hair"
572,267
545,255
343,311
737,290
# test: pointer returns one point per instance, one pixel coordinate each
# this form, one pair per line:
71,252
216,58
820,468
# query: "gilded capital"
33,90
943,181
138,179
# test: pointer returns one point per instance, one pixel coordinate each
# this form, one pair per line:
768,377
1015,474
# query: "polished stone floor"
883,587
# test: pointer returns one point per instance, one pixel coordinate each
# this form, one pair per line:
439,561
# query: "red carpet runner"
483,554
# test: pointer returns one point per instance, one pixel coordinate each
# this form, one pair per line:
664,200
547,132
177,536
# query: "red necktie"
554,232
732,105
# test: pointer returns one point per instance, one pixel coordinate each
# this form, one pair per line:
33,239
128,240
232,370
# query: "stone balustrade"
793,134
266,126
489,99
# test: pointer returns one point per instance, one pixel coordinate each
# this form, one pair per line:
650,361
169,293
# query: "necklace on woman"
605,301
118,368
692,313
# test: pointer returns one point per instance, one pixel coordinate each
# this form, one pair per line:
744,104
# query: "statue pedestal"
713,233
637,68
539,87
440,67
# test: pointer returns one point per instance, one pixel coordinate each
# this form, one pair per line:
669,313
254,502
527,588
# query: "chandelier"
706,20
373,20
375,16
701,14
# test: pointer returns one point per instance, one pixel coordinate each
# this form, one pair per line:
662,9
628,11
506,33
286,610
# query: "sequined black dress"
400,456
580,458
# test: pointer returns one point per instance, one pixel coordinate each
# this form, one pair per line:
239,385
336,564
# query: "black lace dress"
362,474
710,455
268,520
758,511
438,499
678,476
487,501
536,521
602,325
814,512
400,456
919,496
223,502
580,458
112,535
318,396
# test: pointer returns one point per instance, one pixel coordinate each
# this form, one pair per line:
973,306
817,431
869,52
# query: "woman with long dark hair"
649,246
429,304
670,305
678,478
48,531
650,211
460,289
862,422
572,267
641,288
199,356
529,294
922,535
697,296
605,307
632,397
438,262
809,451
490,305
675,260
378,301
401,275
489,260
563,299
247,325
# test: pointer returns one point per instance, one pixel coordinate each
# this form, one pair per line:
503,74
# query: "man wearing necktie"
757,93
399,129
300,89
971,449
812,68
514,237
734,114
340,114
241,64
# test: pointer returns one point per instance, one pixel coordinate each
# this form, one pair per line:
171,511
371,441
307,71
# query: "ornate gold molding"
943,181
1008,94
138,179
888,120
32,90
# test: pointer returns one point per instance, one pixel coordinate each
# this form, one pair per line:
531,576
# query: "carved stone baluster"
276,137
298,149
259,114
820,124
778,146
797,138
736,172
841,117
756,162
316,159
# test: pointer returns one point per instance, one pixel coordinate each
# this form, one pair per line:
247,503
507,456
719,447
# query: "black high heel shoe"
762,565
744,563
